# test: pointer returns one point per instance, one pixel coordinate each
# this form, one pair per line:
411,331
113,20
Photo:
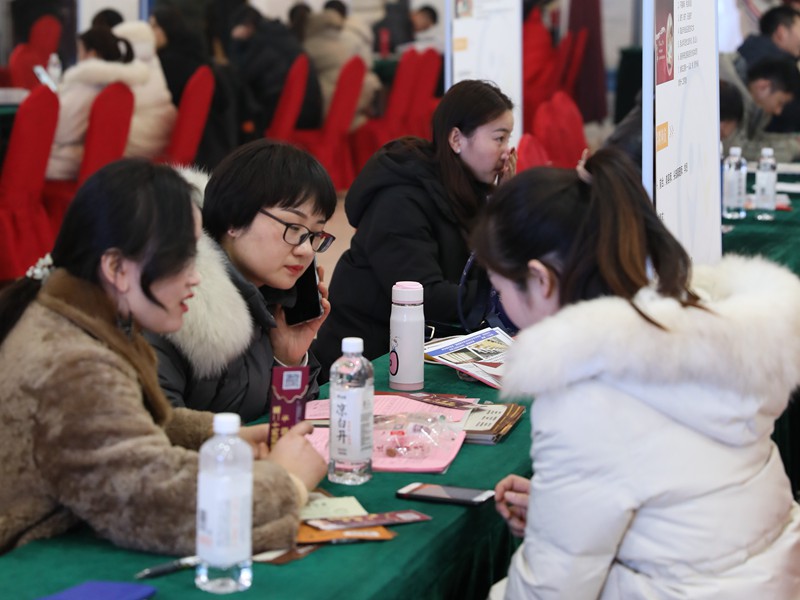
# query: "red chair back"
559,125
531,153
28,148
399,102
345,100
109,124
20,65
429,67
45,35
291,101
575,62
192,116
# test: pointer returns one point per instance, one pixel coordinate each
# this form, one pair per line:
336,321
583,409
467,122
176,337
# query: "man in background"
400,25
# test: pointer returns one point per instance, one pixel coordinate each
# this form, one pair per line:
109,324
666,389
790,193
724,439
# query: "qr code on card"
292,380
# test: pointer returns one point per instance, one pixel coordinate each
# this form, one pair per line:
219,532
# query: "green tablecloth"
778,240
458,554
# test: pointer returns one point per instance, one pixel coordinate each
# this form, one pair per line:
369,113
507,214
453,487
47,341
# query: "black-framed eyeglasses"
296,234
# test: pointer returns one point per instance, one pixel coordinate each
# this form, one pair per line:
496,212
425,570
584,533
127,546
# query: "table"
778,240
458,554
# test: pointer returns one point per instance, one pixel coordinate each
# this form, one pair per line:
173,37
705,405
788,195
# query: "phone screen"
44,77
307,305
445,493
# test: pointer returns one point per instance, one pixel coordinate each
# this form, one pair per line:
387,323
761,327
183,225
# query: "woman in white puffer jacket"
153,112
655,394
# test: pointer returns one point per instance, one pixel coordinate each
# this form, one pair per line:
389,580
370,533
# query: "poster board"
484,41
680,146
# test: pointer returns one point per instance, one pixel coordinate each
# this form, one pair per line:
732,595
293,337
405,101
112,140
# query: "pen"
186,562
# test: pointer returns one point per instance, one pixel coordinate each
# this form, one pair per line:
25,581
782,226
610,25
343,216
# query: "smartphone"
44,77
448,494
308,304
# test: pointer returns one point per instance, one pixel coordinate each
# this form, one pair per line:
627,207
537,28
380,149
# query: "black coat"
405,231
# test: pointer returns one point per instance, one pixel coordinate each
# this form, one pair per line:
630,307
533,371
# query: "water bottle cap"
352,344
767,152
227,423
736,151
407,292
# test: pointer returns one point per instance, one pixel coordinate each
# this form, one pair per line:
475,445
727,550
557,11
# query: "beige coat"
87,435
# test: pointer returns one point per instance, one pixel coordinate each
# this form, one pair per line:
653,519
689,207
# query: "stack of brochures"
479,355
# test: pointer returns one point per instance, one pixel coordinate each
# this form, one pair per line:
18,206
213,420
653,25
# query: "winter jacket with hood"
221,359
405,231
87,435
654,472
153,112
77,91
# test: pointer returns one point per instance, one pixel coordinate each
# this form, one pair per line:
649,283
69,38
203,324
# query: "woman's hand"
296,454
511,496
291,342
256,436
509,167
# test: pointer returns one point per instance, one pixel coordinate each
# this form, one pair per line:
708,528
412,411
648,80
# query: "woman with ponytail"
656,389
103,58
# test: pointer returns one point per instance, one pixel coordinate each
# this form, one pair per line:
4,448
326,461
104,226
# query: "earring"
458,151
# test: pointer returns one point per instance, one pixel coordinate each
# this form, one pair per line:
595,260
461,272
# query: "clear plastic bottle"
766,180
352,387
407,337
734,184
225,510
54,68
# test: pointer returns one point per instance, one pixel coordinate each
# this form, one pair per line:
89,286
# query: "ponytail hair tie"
583,174
42,269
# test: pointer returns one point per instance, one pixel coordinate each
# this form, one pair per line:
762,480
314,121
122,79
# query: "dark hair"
731,104
108,46
779,16
141,209
781,73
337,5
467,105
298,19
597,239
263,174
246,15
178,33
108,18
430,12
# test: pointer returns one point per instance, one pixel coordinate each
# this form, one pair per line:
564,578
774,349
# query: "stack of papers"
480,355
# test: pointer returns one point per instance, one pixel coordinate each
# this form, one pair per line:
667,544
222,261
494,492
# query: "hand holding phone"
447,494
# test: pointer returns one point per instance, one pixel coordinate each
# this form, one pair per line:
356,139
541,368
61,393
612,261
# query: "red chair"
106,136
575,62
558,124
531,153
329,143
290,103
424,101
25,234
548,81
373,134
192,116
45,35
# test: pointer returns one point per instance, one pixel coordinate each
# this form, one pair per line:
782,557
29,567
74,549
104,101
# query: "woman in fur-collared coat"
87,435
655,394
102,59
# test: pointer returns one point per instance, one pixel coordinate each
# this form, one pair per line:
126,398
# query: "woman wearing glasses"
264,211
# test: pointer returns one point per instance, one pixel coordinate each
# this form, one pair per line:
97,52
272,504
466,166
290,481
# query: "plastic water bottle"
352,387
766,179
225,510
407,337
734,184
54,68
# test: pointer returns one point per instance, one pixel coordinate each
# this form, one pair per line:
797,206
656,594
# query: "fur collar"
141,37
218,326
95,71
89,307
727,371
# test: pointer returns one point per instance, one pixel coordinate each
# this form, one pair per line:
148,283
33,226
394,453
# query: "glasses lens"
322,242
295,234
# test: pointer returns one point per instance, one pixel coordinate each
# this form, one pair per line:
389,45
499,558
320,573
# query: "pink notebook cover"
318,410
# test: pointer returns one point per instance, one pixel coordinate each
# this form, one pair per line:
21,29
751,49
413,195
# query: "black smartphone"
307,306
448,494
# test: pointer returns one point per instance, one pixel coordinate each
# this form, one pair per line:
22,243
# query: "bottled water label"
224,517
351,424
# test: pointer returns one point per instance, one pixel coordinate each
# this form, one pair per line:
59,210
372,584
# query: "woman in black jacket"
413,207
